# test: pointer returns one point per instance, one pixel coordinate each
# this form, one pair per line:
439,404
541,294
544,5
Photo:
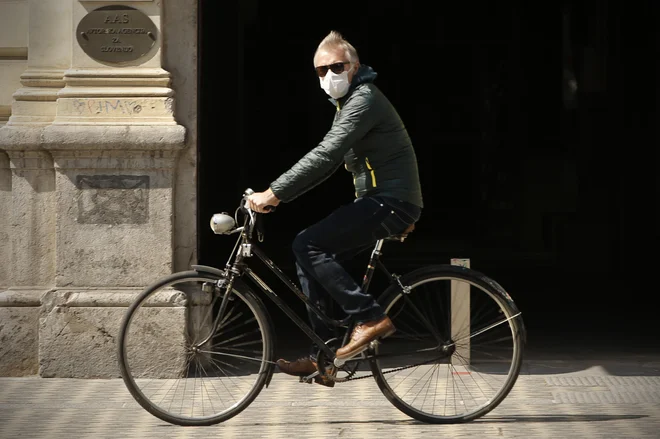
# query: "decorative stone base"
78,333
74,333
19,323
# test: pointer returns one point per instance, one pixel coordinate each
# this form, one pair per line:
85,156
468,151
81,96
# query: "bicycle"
225,338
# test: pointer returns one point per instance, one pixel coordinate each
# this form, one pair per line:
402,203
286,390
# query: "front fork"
216,288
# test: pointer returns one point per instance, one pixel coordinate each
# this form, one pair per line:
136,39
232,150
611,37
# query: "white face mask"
336,86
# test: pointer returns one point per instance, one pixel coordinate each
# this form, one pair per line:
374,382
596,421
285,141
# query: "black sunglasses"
336,68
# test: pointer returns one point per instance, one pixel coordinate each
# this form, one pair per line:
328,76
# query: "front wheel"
458,347
184,362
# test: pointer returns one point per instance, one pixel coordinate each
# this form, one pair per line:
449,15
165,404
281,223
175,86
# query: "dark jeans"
350,229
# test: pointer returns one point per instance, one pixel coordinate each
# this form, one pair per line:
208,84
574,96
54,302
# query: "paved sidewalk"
599,395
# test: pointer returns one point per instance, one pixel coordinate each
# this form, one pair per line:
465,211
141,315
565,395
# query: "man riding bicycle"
370,139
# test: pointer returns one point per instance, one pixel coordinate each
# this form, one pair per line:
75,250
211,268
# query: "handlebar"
224,224
252,214
249,192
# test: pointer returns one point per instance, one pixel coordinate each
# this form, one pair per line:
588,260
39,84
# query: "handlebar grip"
249,192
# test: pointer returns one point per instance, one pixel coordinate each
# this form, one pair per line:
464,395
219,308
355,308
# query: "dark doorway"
512,175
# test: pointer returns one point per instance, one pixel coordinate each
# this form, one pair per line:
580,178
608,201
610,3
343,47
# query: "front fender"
207,269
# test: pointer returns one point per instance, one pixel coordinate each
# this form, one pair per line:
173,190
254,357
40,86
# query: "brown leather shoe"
303,367
300,367
363,335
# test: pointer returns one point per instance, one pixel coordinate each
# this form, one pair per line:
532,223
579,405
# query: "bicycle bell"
222,223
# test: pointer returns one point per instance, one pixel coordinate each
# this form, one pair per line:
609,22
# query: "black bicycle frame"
345,323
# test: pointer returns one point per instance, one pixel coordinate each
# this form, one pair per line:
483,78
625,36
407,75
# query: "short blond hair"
333,40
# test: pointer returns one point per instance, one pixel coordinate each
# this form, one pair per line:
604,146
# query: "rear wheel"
464,337
183,368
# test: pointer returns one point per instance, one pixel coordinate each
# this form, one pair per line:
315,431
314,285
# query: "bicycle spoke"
216,390
423,319
186,383
480,360
488,328
259,360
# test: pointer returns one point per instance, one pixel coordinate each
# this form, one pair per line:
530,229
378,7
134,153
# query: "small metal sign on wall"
116,34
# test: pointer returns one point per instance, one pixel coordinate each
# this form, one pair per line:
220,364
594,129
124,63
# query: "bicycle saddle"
403,235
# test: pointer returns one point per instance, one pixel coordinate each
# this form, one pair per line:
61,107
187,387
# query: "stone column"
5,221
13,62
179,22
115,144
31,269
31,210
13,51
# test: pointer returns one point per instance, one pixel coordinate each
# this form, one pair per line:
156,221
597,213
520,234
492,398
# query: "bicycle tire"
427,274
262,319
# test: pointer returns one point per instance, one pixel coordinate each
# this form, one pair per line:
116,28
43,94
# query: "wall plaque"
116,34
113,199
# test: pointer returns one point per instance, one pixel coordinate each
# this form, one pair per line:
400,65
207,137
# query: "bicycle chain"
345,380
348,377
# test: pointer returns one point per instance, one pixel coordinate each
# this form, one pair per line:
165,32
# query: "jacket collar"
365,74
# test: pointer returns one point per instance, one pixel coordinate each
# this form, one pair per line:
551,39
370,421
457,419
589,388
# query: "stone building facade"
97,173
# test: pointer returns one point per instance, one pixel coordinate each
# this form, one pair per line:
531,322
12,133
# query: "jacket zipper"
371,170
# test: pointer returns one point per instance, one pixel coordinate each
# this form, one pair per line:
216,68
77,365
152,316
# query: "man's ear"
354,69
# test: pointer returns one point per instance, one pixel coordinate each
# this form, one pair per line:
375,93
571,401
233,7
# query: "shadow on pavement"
547,354
485,419
558,418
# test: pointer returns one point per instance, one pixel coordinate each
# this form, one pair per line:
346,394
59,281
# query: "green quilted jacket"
369,139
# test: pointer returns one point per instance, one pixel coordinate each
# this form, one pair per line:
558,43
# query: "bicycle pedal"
309,379
373,344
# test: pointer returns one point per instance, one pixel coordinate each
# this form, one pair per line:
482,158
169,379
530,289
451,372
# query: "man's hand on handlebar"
263,202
